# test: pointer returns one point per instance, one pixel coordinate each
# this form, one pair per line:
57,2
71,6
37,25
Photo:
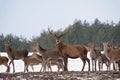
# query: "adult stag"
15,54
70,51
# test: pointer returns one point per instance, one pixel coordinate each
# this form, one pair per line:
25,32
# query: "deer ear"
6,42
36,43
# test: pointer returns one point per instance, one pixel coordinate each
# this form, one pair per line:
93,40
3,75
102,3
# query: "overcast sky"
30,17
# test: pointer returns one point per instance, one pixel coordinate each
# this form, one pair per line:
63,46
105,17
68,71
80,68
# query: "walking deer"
32,60
94,54
70,51
15,54
113,54
4,61
51,54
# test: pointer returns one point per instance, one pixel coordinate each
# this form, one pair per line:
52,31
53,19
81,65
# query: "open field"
74,73
70,75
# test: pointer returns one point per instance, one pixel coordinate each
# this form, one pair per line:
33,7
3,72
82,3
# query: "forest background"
80,33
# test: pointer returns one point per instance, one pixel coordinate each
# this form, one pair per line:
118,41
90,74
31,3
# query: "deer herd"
59,55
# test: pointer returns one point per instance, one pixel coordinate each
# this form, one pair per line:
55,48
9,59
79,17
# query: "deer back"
15,53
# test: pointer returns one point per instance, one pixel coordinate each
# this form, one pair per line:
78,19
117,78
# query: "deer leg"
88,63
49,66
42,66
119,65
99,65
95,65
12,61
108,65
65,63
32,68
83,60
59,66
8,68
92,65
114,65
25,67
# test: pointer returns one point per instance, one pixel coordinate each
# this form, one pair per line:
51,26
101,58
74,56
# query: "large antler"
65,31
53,34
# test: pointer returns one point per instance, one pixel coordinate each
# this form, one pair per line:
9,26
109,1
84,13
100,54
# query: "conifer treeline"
79,33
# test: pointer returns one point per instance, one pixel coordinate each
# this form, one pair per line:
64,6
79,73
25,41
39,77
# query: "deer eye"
57,41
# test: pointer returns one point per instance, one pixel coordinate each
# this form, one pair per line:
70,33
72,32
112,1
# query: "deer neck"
8,49
107,50
41,50
60,47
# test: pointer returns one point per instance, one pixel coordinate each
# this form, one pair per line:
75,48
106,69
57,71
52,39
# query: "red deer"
58,62
103,59
94,54
113,54
4,61
15,54
51,54
71,51
32,60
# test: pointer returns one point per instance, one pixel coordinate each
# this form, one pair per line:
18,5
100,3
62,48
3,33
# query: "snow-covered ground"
73,65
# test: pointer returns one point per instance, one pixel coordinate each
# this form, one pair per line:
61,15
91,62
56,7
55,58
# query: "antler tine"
51,32
65,31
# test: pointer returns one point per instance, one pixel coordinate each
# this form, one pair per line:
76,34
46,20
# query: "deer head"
7,43
58,37
35,47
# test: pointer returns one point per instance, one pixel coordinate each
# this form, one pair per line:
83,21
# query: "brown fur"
113,54
4,61
47,54
71,51
103,59
94,54
32,60
15,54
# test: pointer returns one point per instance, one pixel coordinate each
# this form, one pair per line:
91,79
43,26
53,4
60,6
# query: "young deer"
103,59
32,60
113,54
46,55
58,62
15,54
94,54
4,61
71,51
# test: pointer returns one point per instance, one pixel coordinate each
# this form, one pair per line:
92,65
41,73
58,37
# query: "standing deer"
15,54
47,55
103,59
113,54
94,54
32,60
70,51
58,62
4,61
